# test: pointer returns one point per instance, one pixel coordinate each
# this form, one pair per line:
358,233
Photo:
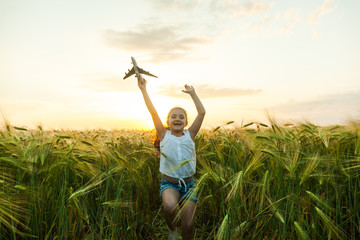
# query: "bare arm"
195,127
160,129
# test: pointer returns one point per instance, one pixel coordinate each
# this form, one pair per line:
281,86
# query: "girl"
177,161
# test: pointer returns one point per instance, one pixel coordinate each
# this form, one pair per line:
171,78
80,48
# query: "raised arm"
195,127
160,129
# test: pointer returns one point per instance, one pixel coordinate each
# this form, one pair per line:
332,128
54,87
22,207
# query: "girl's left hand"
189,89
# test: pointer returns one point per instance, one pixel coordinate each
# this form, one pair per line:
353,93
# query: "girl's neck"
177,133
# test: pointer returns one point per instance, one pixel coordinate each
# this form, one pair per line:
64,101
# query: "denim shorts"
184,191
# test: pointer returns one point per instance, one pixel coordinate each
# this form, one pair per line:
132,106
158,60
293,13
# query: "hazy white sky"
62,62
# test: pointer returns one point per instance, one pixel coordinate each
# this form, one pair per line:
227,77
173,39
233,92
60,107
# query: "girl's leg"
187,219
170,199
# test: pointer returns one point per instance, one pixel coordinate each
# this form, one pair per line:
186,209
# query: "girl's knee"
169,206
170,198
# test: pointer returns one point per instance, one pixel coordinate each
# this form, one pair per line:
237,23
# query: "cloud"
329,109
258,26
206,91
230,8
285,21
107,83
239,9
292,17
176,4
161,43
326,7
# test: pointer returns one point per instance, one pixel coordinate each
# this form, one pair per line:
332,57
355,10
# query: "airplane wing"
142,71
131,72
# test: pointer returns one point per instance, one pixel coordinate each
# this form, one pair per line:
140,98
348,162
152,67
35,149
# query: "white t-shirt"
177,155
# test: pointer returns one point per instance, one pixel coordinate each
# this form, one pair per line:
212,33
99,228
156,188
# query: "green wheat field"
255,181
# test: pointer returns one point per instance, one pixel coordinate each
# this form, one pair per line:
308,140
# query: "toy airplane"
136,70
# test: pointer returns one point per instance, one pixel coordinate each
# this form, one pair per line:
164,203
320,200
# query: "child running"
177,161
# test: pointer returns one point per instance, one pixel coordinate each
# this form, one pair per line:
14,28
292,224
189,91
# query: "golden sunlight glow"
80,84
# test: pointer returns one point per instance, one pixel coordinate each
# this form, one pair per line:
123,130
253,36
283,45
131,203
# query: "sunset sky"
62,63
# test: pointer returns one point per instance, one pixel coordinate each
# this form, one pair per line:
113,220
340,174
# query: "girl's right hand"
142,83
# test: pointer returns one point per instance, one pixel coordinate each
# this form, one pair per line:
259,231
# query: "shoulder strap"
186,132
165,138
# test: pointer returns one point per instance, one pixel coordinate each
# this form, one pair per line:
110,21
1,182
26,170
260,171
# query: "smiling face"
177,119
